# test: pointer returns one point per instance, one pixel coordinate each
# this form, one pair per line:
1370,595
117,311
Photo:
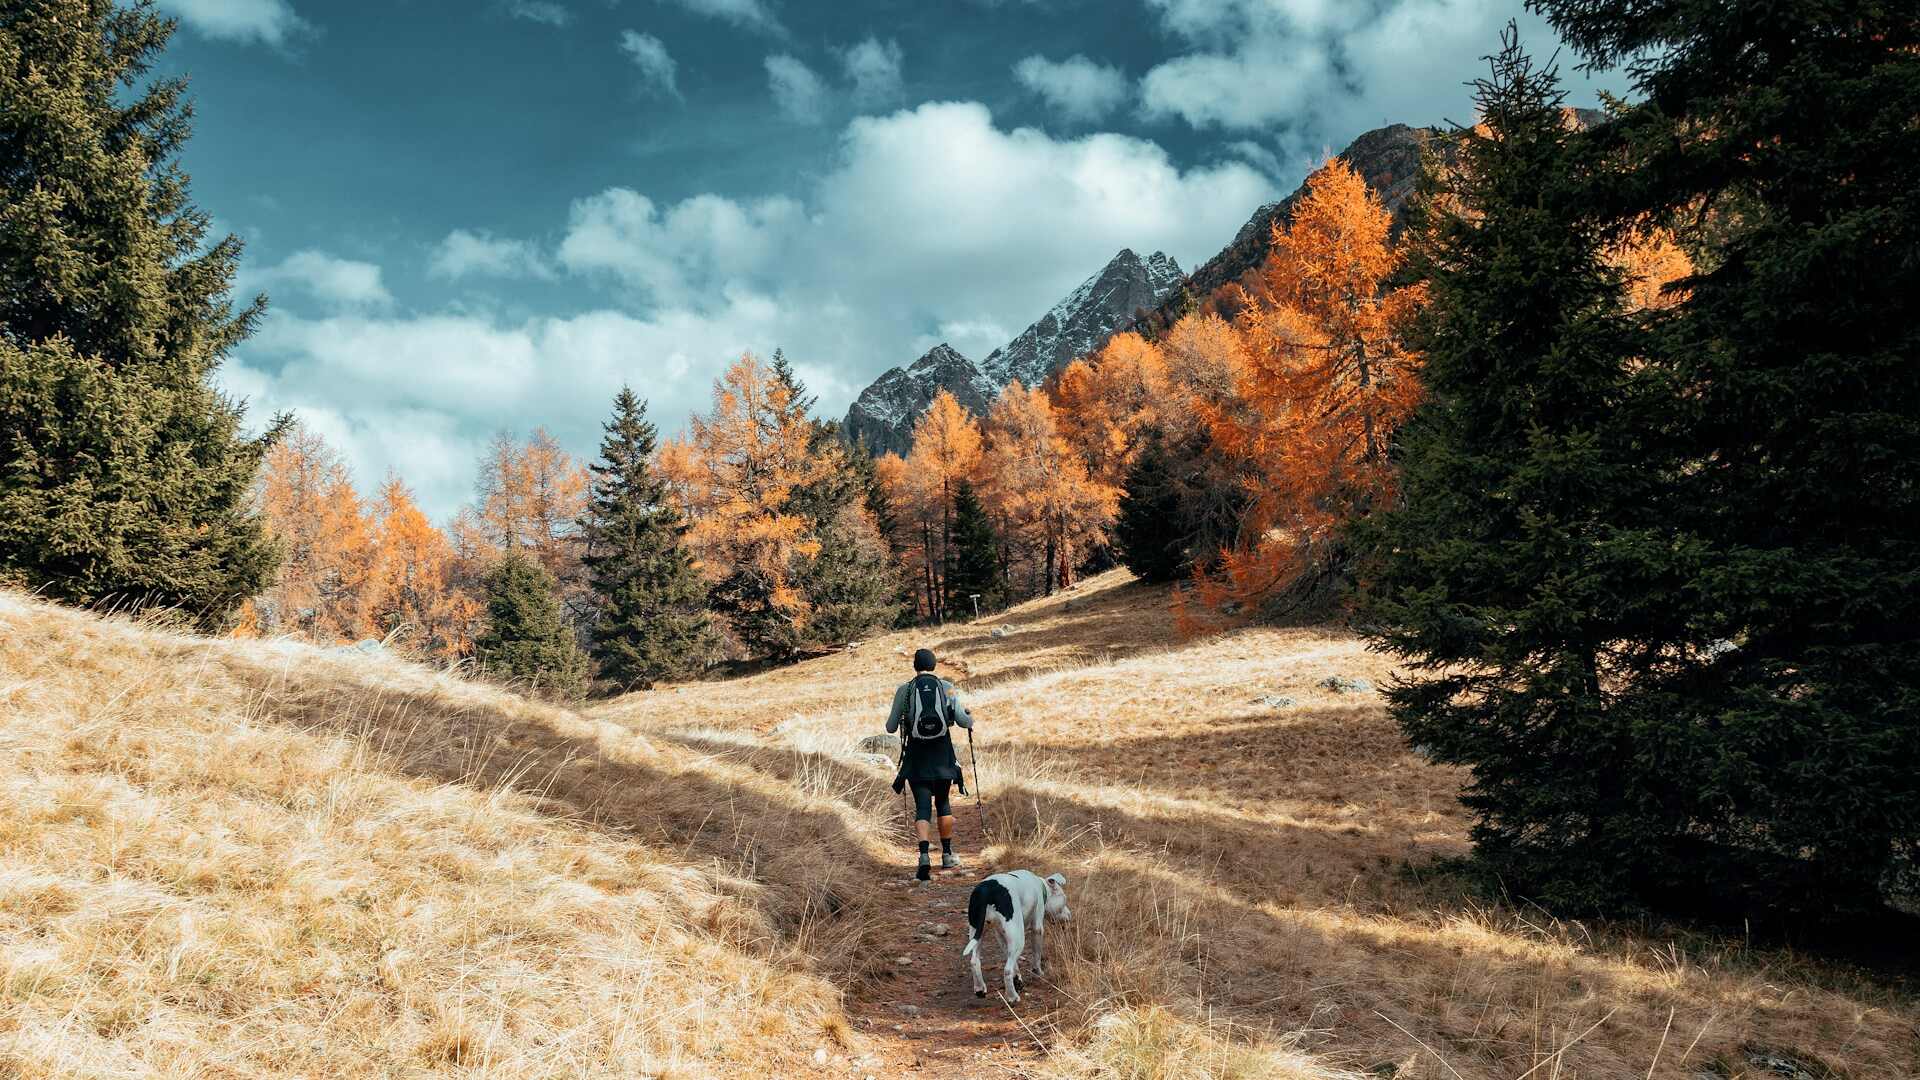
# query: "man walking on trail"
925,710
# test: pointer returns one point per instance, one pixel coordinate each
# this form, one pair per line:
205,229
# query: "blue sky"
487,215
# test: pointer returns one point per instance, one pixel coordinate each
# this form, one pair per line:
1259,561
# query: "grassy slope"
223,859
240,859
1262,866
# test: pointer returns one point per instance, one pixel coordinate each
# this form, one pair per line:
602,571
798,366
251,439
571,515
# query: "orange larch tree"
738,472
419,601
1108,403
1328,381
1038,483
529,497
946,450
324,589
916,521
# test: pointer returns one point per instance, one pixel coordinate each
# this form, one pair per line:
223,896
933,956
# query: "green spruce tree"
1150,534
852,583
1528,561
651,621
527,640
1780,139
124,474
976,557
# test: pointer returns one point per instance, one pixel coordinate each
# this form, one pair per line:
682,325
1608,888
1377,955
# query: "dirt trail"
924,1020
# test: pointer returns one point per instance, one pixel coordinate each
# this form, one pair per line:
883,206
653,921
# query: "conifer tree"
1527,571
1149,532
124,474
851,581
976,556
651,618
1780,140
527,639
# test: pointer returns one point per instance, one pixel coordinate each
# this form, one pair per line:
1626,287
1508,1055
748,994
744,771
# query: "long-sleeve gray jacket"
927,760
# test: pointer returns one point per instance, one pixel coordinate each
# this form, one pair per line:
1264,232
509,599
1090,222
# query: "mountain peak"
884,413
1087,317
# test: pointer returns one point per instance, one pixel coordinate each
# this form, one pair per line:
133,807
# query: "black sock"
923,849
946,845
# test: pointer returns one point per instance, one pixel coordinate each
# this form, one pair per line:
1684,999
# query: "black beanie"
923,660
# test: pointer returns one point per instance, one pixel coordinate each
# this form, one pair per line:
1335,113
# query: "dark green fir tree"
124,474
1780,139
1150,534
527,641
651,619
1527,562
976,557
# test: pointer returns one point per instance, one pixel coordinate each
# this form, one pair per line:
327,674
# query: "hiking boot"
949,861
926,868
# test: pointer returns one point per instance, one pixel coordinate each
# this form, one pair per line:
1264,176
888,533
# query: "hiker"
925,709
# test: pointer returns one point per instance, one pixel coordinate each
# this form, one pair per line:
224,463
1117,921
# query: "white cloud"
339,284
797,91
1323,71
1247,89
692,250
933,224
540,11
481,254
748,14
649,54
873,67
1076,87
271,22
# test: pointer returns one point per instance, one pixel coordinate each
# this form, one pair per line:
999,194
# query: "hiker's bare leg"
946,828
923,828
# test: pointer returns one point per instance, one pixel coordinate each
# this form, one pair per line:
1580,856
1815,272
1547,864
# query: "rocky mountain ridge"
884,413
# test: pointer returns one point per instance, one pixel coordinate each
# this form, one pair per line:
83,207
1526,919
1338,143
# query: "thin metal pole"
978,809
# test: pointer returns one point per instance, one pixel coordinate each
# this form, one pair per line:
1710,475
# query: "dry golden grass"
1253,885
223,859
243,859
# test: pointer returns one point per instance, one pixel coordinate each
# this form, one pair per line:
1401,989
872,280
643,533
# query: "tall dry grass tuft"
262,859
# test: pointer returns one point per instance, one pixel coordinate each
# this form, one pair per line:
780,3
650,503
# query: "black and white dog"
1018,901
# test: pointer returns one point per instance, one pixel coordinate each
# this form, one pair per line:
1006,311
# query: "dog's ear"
1058,881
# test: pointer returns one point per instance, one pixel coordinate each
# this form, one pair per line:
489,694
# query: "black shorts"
928,796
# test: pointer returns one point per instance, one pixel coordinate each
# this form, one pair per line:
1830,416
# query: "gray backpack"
932,711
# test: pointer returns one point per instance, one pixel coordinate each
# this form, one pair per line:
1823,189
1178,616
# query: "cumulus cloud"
270,22
933,224
1076,87
747,14
467,253
873,67
797,91
682,254
334,282
539,11
649,54
1322,71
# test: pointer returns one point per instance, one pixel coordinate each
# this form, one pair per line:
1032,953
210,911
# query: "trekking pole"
978,809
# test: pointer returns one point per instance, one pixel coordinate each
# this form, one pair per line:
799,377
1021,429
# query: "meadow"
263,858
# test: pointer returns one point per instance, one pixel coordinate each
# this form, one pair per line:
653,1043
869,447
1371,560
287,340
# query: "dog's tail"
976,919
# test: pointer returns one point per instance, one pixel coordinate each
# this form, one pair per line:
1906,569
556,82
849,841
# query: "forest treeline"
1616,446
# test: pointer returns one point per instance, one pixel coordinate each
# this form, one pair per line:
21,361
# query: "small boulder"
903,960
1340,684
880,744
879,760
1274,701
1000,631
